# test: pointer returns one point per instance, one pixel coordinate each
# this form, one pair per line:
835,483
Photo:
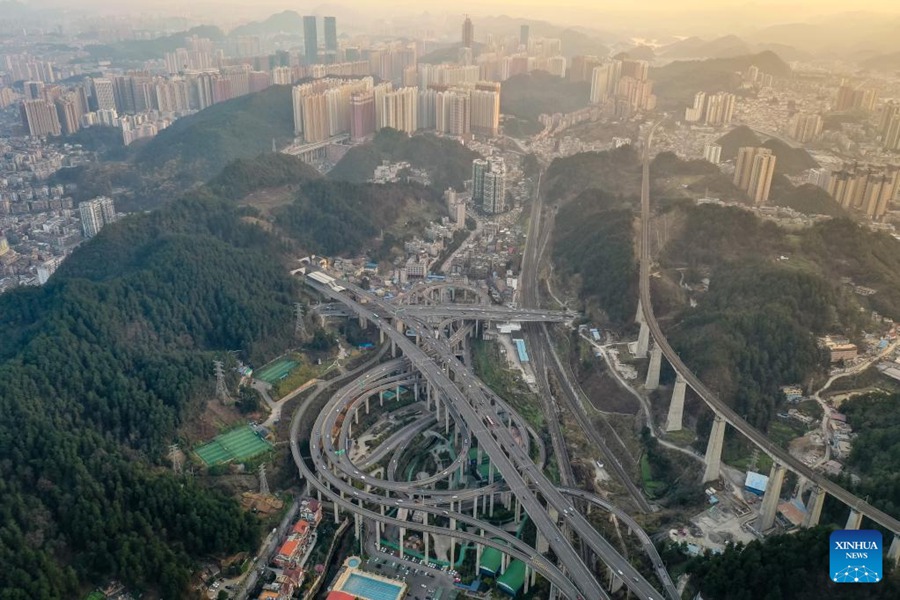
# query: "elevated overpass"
725,415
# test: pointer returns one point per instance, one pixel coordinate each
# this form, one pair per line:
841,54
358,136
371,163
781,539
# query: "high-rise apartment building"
310,40
604,79
40,117
891,135
806,127
753,173
95,214
362,115
715,110
695,112
582,68
323,107
867,189
719,109
489,184
712,153
524,31
486,109
468,33
104,94
850,98
400,109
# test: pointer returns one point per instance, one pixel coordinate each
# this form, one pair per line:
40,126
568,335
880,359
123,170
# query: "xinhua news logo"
856,556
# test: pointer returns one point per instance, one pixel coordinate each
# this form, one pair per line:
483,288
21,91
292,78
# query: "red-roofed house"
287,553
301,528
338,595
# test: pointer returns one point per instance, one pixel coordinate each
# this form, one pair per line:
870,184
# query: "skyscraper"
523,36
104,94
753,173
331,43
310,40
489,184
468,33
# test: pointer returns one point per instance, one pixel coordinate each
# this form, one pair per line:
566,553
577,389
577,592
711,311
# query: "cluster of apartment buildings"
331,107
714,110
623,85
753,173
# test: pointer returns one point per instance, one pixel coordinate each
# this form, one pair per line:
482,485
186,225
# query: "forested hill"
791,566
195,148
97,370
771,292
448,163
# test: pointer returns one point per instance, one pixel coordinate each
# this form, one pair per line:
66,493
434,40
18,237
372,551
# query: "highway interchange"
473,410
427,337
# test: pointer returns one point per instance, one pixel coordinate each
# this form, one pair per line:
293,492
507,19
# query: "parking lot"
424,583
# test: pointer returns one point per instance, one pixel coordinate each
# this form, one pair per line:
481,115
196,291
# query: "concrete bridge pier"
676,406
714,450
652,381
639,315
367,404
615,582
854,520
814,507
380,336
643,343
770,499
357,526
393,349
363,323
541,544
402,537
894,550
381,398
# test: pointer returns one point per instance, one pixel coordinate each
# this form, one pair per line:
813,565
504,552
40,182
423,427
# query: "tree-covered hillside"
448,163
98,368
784,566
197,147
592,244
339,217
617,172
676,83
529,95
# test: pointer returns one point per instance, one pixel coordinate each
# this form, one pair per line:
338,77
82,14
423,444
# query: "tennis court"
237,444
276,370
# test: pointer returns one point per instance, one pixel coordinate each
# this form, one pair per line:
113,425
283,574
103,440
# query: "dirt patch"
605,392
268,199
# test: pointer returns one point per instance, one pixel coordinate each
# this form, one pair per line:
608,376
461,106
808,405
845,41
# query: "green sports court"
238,444
276,370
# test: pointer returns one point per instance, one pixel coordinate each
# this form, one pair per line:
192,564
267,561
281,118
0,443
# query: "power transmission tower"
221,390
263,482
299,320
175,457
754,459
